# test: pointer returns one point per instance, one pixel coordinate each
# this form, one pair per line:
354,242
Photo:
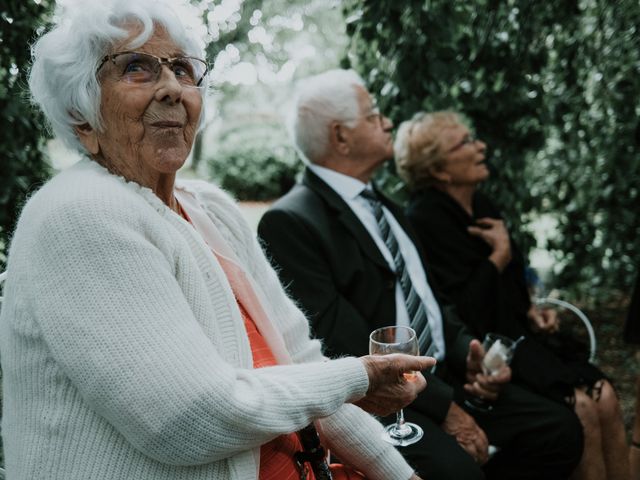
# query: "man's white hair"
63,79
322,99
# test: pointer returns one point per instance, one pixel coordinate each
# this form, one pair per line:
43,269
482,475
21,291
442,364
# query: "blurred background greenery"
552,87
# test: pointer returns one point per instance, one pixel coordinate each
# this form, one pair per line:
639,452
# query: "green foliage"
23,166
589,172
550,87
254,163
275,41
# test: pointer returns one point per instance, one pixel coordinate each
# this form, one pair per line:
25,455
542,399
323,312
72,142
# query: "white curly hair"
322,99
63,79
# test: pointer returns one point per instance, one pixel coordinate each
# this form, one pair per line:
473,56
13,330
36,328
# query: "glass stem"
400,421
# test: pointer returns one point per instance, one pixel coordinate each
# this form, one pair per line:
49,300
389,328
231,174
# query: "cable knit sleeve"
105,284
352,434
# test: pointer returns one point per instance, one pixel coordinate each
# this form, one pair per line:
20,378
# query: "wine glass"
499,351
384,341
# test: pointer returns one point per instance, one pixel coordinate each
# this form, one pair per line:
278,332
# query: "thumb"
476,353
475,349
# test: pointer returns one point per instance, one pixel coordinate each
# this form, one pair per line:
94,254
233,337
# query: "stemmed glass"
384,341
499,351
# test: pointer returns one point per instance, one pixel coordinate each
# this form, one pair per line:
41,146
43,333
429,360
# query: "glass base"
408,435
478,405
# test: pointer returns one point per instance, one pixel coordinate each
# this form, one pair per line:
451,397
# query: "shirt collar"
347,187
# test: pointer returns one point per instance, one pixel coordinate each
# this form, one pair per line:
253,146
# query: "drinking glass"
384,341
498,354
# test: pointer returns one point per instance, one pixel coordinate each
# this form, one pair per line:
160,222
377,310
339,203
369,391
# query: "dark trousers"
437,456
538,438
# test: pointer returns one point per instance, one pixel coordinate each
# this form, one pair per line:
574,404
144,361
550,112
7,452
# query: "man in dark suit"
348,257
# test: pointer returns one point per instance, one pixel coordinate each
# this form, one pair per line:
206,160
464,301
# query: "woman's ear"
339,138
88,138
440,174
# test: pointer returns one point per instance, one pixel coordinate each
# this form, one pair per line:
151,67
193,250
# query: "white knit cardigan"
124,355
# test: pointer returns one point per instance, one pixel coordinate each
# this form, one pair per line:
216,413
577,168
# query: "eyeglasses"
467,140
374,115
143,68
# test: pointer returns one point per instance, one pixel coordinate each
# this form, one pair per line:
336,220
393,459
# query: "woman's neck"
162,184
462,194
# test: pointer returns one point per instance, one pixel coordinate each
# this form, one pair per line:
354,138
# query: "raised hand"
485,387
389,388
494,232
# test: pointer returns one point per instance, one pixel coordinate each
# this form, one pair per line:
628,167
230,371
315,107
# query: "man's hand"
544,320
394,381
467,433
485,387
495,233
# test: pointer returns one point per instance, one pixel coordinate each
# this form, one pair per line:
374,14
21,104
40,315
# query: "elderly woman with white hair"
143,333
481,269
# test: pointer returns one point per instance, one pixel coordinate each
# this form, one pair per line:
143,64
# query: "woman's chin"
483,173
170,160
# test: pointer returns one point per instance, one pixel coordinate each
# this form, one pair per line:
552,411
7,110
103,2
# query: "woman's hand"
495,233
394,381
543,320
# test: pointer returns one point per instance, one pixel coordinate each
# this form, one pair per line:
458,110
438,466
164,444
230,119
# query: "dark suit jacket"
330,264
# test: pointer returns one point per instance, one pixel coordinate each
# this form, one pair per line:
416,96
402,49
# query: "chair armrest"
580,314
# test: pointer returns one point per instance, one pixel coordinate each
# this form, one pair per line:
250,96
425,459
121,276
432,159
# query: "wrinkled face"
463,157
372,139
149,128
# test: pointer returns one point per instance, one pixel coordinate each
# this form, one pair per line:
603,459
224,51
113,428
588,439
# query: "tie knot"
370,195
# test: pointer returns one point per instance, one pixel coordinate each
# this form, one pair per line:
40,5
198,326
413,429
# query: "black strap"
313,454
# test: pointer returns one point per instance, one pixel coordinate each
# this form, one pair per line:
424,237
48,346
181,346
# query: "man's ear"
339,138
88,138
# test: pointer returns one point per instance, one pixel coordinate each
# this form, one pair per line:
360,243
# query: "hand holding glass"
384,341
499,351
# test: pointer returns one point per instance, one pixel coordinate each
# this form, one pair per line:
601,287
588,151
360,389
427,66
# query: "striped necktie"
415,307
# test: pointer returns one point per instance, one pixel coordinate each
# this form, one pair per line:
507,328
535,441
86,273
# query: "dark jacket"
492,301
487,300
330,264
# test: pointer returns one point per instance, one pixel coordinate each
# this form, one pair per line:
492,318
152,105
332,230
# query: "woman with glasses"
477,264
143,333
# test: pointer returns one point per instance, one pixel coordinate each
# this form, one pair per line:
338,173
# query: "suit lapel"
346,216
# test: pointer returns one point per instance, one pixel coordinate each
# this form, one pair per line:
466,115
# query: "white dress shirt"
350,188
